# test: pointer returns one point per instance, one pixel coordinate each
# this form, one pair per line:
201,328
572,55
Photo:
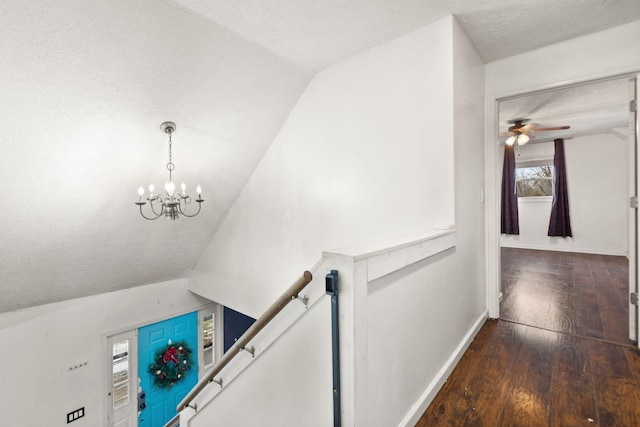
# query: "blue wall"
235,324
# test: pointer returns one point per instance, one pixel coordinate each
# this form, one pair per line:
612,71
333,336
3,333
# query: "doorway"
550,264
180,349
167,367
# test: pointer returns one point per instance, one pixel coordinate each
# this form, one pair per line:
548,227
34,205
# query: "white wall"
597,176
367,153
420,315
288,383
41,343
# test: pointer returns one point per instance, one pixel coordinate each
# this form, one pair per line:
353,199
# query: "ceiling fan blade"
550,128
528,127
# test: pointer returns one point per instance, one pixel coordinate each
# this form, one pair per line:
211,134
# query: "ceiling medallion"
170,204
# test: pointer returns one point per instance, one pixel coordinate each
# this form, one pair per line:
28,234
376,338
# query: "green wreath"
171,364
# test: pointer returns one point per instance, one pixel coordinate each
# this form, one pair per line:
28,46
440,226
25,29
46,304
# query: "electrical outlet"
75,415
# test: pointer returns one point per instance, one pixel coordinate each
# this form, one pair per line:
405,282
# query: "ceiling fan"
520,131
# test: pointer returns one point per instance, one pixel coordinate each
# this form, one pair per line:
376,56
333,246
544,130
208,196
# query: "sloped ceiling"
319,33
85,85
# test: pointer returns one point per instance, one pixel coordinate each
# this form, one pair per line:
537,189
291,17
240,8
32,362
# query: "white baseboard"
434,387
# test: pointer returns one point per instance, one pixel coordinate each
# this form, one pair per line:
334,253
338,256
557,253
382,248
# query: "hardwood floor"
579,294
558,360
518,375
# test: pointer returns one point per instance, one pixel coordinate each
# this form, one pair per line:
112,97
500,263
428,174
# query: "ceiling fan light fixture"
518,138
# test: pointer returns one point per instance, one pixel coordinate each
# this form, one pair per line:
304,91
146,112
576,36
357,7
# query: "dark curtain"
560,224
509,205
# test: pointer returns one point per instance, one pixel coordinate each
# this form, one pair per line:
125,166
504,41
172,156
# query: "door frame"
492,184
133,328
634,320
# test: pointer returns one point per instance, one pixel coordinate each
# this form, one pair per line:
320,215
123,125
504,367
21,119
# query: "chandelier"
170,204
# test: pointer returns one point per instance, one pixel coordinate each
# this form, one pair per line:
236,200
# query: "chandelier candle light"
170,204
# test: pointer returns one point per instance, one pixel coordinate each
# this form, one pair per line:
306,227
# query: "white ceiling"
85,86
318,33
590,109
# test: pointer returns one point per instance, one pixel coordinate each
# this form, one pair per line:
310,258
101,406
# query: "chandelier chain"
170,165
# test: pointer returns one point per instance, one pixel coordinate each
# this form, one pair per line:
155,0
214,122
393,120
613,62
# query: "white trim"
535,199
529,162
386,256
421,405
492,207
155,319
562,249
380,247
394,260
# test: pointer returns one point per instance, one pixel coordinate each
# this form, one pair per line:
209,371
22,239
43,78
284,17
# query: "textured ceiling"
590,109
319,33
84,88
85,85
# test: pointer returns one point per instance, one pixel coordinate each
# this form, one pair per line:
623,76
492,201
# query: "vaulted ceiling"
85,85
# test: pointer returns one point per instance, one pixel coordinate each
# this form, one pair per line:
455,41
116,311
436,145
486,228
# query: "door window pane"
120,374
208,330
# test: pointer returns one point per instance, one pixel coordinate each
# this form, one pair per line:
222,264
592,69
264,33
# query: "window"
120,373
208,342
534,178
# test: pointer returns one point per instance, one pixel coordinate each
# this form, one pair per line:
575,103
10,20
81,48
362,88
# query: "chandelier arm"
197,212
162,200
146,217
153,209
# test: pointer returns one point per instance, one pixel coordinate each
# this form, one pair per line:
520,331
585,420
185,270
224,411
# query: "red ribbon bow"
171,355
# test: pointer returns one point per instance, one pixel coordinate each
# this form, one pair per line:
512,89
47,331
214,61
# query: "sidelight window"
120,374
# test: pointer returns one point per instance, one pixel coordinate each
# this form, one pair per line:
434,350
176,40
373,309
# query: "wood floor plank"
573,397
589,318
475,383
633,356
528,395
516,375
617,393
583,294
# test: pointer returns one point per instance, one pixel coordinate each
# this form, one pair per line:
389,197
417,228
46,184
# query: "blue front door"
175,370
